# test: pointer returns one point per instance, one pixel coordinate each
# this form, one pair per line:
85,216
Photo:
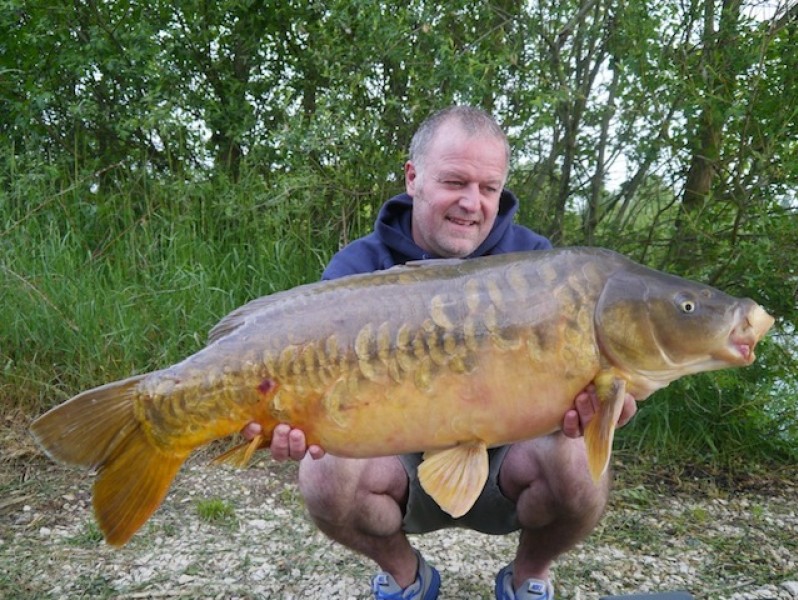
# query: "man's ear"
410,178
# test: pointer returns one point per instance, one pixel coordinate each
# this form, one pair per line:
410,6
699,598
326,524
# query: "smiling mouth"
461,222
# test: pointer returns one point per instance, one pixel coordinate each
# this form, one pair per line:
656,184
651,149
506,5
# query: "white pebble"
791,587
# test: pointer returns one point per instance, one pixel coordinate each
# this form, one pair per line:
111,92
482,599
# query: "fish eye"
687,305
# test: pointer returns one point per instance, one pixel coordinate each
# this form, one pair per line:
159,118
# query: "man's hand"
287,443
586,405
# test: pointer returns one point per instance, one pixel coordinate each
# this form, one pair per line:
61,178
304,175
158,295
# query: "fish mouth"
750,329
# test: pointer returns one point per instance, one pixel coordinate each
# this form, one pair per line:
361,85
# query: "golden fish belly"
509,395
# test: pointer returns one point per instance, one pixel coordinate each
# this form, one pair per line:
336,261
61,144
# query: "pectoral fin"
455,477
600,432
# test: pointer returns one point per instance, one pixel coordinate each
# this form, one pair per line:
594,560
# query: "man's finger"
570,425
316,452
585,404
296,444
628,411
280,445
251,430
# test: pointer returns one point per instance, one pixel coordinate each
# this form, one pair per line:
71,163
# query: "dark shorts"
492,512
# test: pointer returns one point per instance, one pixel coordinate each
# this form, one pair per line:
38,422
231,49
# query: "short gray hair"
474,121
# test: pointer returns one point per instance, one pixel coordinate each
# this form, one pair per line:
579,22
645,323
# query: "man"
455,206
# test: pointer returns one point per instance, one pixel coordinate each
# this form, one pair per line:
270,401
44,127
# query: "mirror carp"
447,357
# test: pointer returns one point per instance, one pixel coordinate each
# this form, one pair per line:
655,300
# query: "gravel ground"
244,534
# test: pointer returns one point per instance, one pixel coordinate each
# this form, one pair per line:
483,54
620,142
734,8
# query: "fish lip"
743,339
760,321
738,350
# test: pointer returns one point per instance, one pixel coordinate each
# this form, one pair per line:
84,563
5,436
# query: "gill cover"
654,322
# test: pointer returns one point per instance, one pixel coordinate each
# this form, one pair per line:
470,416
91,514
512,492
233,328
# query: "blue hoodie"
391,243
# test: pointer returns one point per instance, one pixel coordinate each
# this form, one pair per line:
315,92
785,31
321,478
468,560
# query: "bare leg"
558,503
359,503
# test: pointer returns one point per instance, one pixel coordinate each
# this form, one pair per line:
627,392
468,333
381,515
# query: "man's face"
456,194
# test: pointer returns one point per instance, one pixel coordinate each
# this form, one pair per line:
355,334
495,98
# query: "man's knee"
336,490
550,480
572,486
327,488
579,495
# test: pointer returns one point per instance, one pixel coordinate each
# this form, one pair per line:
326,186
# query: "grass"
90,535
727,421
217,511
97,286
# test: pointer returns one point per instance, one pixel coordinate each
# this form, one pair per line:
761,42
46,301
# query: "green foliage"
89,536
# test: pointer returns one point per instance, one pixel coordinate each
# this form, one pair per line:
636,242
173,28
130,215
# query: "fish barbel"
446,357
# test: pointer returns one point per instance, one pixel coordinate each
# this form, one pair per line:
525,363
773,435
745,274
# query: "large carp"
449,357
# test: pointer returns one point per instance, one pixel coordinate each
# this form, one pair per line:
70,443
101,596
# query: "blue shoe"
531,589
425,587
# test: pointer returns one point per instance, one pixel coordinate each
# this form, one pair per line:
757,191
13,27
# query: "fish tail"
131,485
99,429
86,429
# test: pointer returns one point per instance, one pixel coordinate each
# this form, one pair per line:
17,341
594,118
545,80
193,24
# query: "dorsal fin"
238,317
242,314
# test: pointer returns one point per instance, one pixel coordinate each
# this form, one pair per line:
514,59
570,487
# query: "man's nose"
469,198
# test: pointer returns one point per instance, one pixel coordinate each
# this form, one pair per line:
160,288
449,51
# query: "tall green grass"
98,284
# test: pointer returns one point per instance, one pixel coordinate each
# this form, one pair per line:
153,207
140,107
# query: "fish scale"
445,357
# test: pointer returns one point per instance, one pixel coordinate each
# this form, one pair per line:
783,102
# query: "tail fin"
99,429
130,485
600,432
